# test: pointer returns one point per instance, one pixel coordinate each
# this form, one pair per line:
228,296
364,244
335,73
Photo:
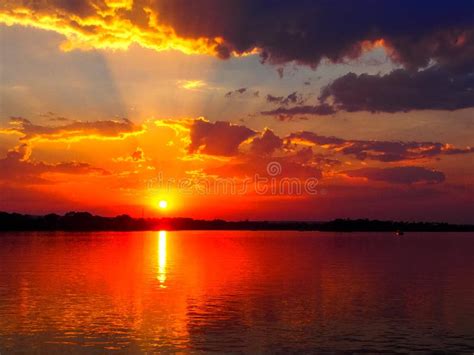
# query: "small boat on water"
399,233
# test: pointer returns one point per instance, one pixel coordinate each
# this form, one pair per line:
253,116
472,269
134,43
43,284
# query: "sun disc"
163,204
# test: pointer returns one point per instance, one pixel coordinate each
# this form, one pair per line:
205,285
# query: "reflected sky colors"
242,291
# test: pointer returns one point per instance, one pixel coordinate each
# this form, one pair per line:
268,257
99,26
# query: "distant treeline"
84,221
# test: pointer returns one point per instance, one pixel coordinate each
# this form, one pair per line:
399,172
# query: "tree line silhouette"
85,221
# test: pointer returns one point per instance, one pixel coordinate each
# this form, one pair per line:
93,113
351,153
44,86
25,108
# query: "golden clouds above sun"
113,24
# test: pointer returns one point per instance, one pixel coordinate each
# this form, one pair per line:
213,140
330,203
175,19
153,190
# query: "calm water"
236,291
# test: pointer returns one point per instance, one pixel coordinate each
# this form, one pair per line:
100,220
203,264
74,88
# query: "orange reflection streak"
162,258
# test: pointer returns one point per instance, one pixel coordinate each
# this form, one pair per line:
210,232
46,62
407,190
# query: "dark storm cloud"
307,31
399,175
435,88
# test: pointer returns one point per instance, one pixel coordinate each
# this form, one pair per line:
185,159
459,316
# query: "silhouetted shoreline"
84,221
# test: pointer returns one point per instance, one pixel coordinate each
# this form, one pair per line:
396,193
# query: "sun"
163,204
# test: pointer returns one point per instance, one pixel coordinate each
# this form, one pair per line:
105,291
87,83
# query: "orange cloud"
18,167
74,131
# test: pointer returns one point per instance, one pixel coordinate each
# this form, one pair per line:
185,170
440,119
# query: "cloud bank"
435,88
414,32
383,151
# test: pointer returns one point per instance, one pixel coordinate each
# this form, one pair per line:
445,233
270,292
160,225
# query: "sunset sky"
111,106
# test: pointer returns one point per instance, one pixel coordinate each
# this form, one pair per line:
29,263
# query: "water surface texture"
236,291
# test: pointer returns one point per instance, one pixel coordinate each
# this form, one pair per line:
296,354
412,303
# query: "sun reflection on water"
161,276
